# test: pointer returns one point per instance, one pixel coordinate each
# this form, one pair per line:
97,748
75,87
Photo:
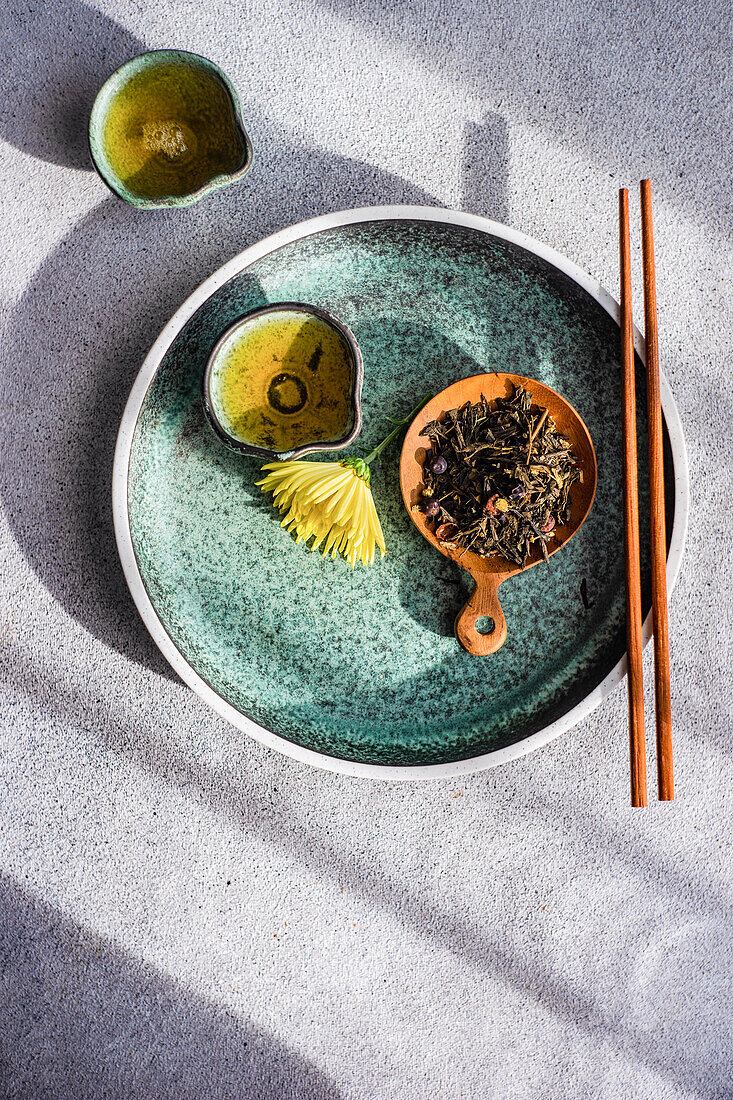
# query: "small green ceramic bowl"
166,129
284,380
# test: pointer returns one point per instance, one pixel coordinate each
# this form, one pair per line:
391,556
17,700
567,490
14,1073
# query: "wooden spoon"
489,573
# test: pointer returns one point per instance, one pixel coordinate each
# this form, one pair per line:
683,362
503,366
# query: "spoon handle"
484,604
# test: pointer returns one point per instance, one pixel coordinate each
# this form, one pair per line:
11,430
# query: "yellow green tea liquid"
171,129
283,380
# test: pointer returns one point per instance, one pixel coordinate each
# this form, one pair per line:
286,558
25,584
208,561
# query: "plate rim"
121,519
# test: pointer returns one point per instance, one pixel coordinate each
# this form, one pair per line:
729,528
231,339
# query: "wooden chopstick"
663,707
637,743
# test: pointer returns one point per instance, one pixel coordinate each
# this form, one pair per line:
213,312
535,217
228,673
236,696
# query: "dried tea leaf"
508,451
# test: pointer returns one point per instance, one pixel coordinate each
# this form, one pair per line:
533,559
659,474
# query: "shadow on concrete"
485,178
277,818
619,85
54,58
82,1019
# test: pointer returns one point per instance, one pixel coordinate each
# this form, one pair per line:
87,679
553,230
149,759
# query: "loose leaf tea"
497,477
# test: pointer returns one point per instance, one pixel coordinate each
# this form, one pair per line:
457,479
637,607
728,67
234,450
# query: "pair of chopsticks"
663,712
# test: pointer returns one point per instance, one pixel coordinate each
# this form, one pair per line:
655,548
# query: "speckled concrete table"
186,914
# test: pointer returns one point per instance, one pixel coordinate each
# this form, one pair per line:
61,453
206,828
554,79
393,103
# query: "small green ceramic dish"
166,129
285,380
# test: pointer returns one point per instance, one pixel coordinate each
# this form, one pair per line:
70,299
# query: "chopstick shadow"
251,807
79,334
560,75
485,179
82,1019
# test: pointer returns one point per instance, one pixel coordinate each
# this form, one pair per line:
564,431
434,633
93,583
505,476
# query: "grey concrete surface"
185,914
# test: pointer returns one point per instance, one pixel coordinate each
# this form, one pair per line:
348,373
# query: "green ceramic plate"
359,671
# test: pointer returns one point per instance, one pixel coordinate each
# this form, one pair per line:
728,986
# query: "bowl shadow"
54,59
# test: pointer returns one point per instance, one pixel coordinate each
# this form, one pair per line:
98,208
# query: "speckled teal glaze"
363,665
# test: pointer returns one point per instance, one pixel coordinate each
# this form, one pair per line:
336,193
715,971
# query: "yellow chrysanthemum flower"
330,503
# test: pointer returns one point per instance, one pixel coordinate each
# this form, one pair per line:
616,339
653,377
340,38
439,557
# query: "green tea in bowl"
165,130
283,381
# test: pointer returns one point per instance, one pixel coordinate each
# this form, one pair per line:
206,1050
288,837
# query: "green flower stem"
395,431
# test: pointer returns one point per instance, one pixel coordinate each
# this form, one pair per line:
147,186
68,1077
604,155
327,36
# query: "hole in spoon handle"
473,624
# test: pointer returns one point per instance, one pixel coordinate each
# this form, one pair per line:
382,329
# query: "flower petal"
326,505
